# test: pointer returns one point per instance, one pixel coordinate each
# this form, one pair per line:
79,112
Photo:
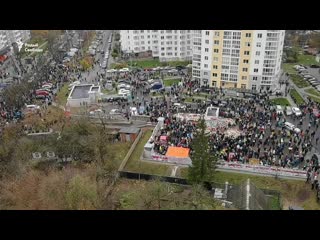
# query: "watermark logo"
33,48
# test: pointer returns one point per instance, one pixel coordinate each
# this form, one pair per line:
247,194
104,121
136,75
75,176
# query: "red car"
41,92
316,113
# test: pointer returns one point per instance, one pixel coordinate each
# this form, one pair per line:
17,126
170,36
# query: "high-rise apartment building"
248,59
167,45
7,37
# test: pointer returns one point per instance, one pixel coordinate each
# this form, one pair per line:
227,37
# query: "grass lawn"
62,95
118,151
293,192
189,99
134,163
299,81
151,63
313,92
170,82
288,67
315,99
109,92
296,96
307,59
280,101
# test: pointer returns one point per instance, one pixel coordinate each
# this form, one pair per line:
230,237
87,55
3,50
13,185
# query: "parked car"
32,107
115,112
133,111
179,106
315,66
288,111
296,111
279,109
314,84
291,127
96,112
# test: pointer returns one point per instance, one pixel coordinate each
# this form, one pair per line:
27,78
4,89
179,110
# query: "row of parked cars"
288,110
303,72
295,110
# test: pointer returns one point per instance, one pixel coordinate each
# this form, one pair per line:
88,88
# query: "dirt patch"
303,195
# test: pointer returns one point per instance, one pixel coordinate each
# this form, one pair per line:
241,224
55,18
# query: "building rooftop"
80,91
95,88
129,130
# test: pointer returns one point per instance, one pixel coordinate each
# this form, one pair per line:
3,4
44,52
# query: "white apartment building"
167,45
7,37
248,59
202,56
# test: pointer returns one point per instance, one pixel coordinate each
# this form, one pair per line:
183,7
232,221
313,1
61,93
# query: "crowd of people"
174,133
313,171
263,133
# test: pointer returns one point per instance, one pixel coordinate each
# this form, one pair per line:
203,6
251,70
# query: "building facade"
167,45
248,59
7,37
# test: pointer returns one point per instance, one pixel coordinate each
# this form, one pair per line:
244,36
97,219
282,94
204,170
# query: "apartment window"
142,31
162,37
244,77
205,73
216,34
215,59
246,61
255,70
162,54
258,44
215,66
255,78
216,50
207,41
248,35
257,53
245,69
206,58
162,49
214,74
206,49
246,52
148,42
256,62
205,65
216,42
247,44
259,35
207,33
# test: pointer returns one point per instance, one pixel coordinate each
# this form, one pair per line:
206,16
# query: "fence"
124,162
144,118
236,194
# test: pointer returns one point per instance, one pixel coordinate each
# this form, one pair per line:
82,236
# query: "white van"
291,127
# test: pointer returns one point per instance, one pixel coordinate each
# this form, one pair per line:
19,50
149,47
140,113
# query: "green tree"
203,162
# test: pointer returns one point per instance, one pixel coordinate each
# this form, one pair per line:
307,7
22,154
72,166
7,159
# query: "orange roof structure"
178,152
